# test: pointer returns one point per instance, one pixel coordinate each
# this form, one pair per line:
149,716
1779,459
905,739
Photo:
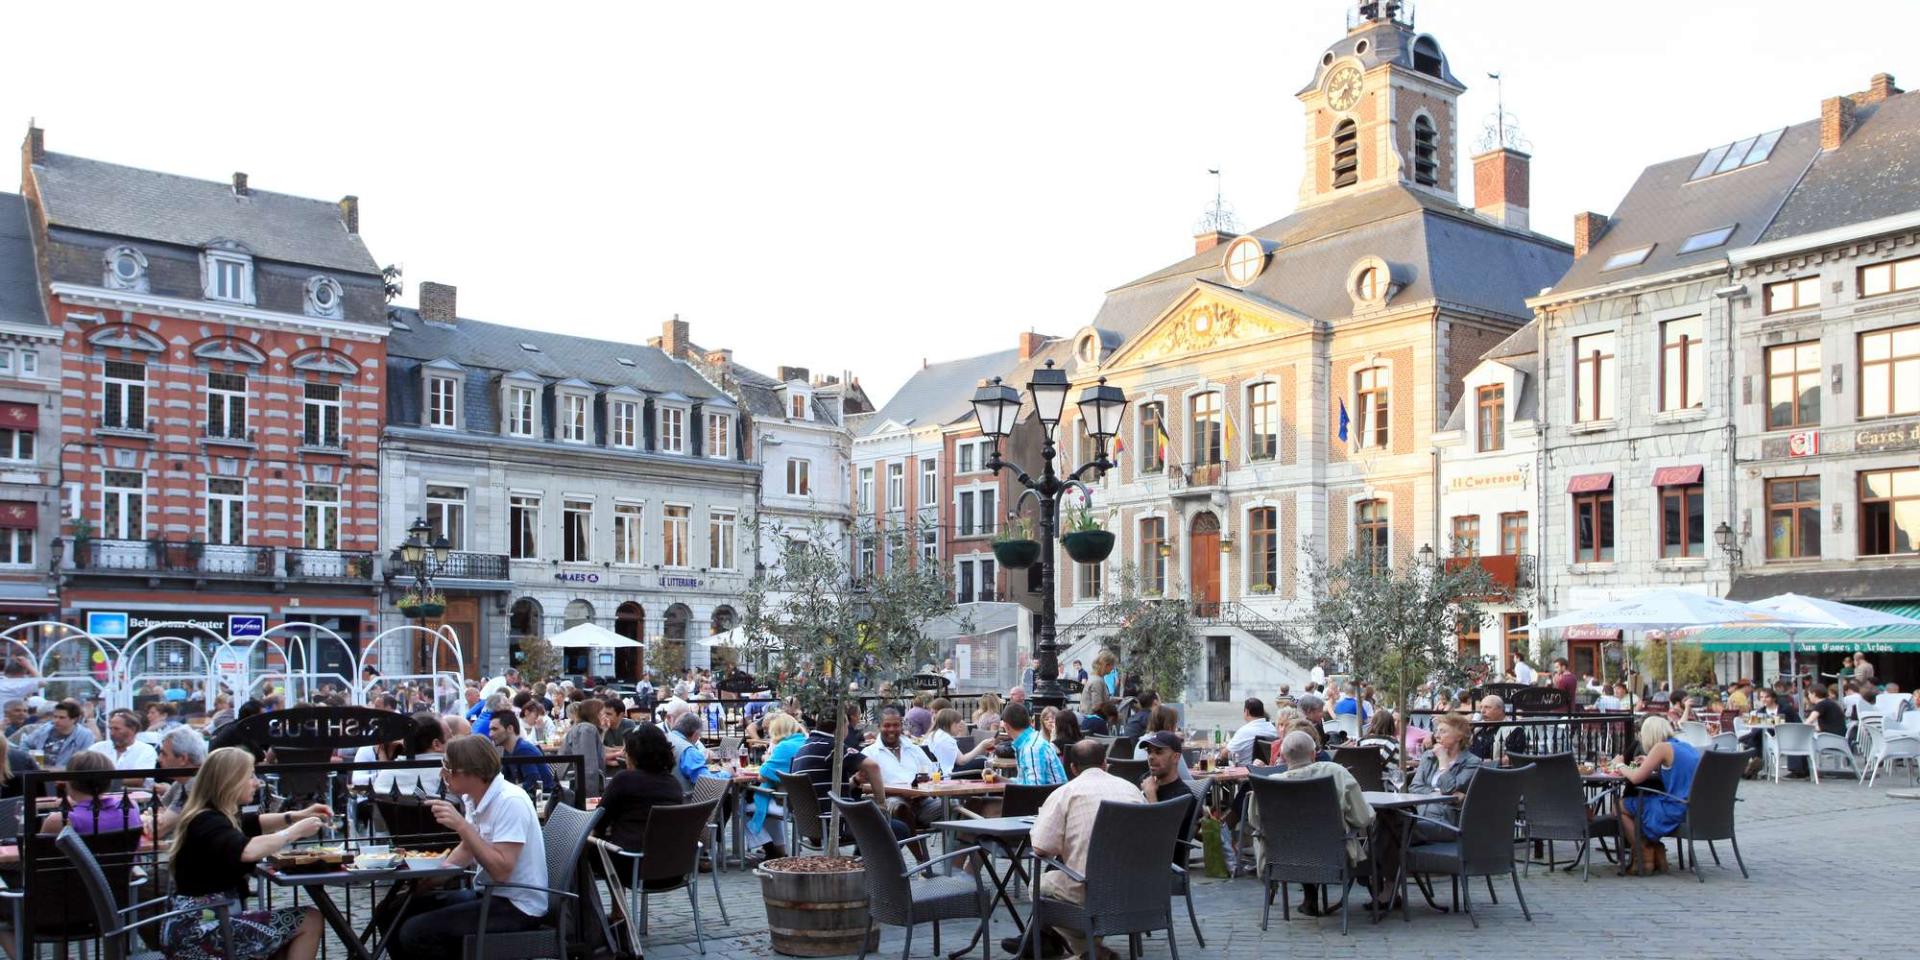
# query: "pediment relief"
127,338
1204,320
324,361
229,349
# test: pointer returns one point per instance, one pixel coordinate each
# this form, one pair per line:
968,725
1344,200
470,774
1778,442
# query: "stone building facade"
29,416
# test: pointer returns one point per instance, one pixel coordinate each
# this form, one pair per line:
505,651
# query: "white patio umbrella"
1668,610
1825,615
590,634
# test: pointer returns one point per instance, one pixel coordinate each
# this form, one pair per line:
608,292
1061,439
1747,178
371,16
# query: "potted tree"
1014,546
821,630
1086,541
1155,641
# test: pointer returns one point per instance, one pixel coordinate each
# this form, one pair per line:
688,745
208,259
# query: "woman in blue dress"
787,736
1668,766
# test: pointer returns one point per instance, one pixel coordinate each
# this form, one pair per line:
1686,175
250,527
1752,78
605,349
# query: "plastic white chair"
1793,740
1832,746
1894,749
1868,734
1348,722
1695,733
1726,742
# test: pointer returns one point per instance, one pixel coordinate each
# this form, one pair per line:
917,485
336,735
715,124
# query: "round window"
1367,286
1089,350
1244,261
323,295
126,266
1327,59
1362,47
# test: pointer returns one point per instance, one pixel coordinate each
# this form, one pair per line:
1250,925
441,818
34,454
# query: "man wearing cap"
1164,764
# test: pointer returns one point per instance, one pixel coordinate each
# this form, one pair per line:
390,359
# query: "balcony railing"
1510,572
1197,478
198,559
329,564
474,566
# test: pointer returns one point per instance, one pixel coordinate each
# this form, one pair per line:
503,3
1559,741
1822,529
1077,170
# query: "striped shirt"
814,760
1038,762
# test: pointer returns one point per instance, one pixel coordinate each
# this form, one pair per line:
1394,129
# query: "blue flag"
1343,420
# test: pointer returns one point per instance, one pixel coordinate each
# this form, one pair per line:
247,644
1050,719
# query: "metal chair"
1793,740
566,835
1130,840
1483,844
1557,809
113,922
668,860
892,895
1367,764
1709,804
1304,837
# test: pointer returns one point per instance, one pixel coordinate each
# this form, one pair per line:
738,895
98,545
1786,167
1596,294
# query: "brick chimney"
239,184
676,338
1031,343
1502,186
350,213
1587,228
35,146
437,302
1878,89
791,374
1836,121
1202,242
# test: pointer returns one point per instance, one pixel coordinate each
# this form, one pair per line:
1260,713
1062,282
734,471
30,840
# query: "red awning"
19,416
1590,483
19,515
1676,476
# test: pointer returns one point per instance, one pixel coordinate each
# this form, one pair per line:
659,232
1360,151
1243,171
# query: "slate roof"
1874,173
760,395
1521,351
1387,42
472,343
942,393
127,201
1664,208
1439,250
20,299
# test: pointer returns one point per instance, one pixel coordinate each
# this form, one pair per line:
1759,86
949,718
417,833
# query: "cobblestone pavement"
1791,835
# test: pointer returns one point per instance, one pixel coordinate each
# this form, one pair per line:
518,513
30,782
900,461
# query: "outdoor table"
1388,800
316,885
743,780
946,791
1013,833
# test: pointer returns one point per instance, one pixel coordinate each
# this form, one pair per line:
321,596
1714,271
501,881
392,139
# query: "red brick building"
222,396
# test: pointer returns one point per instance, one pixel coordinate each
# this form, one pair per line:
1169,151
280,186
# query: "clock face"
1343,88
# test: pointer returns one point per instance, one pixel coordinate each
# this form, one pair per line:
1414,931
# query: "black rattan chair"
53,907
1367,764
807,821
894,898
713,789
1483,842
668,860
1130,841
1183,848
115,923
1305,838
1557,809
1710,801
1132,771
409,822
566,833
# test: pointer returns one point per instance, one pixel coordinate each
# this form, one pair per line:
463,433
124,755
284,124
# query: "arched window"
578,612
676,624
1425,167
1426,57
524,620
1346,154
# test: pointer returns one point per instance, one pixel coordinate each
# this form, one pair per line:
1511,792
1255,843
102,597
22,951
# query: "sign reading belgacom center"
321,728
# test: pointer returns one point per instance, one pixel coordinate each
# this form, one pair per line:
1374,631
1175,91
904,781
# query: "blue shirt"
529,775
689,760
61,749
1038,762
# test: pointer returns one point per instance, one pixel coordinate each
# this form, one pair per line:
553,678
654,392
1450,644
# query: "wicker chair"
892,895
566,835
109,916
1557,808
50,907
1129,841
668,860
1367,764
804,816
714,789
1019,800
1305,838
1716,785
1483,844
1183,849
1132,771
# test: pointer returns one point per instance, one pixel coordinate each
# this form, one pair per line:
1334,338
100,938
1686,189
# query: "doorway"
1219,669
629,621
1203,565
463,615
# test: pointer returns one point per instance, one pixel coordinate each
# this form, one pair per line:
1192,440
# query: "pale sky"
863,185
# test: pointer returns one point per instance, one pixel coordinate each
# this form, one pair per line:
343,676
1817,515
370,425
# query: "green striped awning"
1900,639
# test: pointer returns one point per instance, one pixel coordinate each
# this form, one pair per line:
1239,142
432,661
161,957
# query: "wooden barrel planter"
817,912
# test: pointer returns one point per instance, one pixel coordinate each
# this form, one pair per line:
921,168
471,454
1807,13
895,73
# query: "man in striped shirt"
1037,760
814,761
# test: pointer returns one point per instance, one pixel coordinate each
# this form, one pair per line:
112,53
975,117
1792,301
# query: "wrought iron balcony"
472,566
200,560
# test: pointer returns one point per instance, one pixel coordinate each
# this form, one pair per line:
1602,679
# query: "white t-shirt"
945,749
1318,678
899,771
19,688
1241,746
138,756
506,815
1523,673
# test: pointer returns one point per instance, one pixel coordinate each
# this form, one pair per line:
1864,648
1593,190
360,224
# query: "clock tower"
1381,110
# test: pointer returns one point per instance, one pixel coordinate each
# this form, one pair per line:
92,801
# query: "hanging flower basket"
410,610
1016,554
1088,546
429,611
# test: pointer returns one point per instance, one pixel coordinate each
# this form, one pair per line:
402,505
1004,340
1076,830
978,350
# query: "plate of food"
311,860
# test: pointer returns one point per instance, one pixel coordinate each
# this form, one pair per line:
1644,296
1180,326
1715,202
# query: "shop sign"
322,728
688,582
577,577
1489,481
1803,444
246,626
112,626
1887,438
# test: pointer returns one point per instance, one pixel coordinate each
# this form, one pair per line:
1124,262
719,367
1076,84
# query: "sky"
856,186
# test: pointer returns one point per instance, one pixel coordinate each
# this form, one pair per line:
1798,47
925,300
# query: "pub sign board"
321,728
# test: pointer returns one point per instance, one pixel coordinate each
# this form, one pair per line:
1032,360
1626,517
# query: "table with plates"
317,884
1012,834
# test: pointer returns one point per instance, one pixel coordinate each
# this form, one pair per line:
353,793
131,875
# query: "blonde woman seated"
213,854
1669,764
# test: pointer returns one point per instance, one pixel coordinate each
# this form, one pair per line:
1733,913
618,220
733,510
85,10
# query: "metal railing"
1588,736
474,566
159,555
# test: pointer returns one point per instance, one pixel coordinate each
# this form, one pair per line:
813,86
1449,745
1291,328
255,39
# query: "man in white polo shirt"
122,745
903,765
501,835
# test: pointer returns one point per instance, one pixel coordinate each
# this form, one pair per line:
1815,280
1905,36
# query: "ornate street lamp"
997,408
425,558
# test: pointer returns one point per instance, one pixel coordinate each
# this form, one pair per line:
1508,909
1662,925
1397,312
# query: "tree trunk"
832,838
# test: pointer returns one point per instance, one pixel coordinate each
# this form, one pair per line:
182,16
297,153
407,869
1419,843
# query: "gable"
1209,317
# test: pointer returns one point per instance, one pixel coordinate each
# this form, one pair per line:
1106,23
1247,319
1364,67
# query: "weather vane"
1219,217
1502,128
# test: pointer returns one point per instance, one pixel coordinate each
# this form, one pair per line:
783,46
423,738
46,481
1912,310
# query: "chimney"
790,374
1587,228
1836,121
1878,89
1501,186
1030,344
350,212
35,146
1202,242
436,302
720,357
675,337
239,184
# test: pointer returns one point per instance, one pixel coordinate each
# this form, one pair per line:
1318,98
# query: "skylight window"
1733,156
530,348
1627,259
1706,240
625,361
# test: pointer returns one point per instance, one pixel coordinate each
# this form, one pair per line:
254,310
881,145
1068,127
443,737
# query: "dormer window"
576,417
228,276
720,436
799,405
673,430
623,423
323,298
443,403
521,411
126,269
